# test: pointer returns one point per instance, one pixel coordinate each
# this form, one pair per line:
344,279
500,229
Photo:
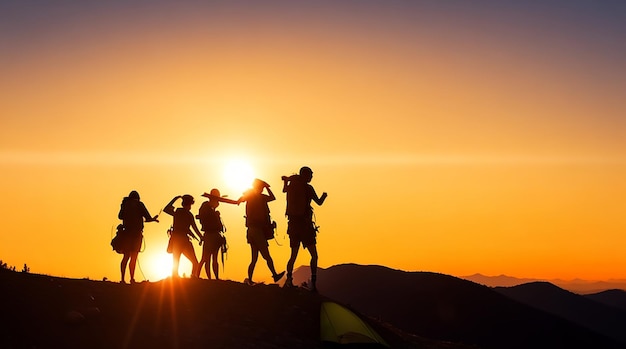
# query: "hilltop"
40,311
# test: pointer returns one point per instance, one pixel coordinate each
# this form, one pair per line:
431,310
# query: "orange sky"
450,138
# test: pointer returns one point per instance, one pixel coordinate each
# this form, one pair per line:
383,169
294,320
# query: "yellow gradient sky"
451,137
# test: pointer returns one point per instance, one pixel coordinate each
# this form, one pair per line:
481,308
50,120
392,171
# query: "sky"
456,137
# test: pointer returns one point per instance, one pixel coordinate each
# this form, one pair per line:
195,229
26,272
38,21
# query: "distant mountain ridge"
577,285
451,309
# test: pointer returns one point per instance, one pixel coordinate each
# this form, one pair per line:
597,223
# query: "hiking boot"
288,282
249,282
278,276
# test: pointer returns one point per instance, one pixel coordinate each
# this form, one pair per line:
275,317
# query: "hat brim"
206,195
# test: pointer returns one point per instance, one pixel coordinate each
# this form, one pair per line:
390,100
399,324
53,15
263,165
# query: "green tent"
340,325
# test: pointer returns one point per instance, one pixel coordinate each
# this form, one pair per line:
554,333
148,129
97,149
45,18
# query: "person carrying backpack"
259,223
213,229
301,228
133,212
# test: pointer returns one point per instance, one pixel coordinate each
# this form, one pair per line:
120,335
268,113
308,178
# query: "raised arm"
169,209
271,196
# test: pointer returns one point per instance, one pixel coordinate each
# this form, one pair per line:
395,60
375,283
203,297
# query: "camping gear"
340,325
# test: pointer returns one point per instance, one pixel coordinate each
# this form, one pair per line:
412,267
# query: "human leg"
216,266
265,252
175,261
290,264
131,265
123,264
191,255
205,261
254,257
313,251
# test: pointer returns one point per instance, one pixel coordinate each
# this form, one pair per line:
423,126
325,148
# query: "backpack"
210,219
297,201
119,240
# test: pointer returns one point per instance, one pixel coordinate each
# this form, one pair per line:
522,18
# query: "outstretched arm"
169,209
221,199
319,200
148,217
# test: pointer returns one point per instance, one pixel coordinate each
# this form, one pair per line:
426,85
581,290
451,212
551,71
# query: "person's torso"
183,219
132,215
210,219
257,210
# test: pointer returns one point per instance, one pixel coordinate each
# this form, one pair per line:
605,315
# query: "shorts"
134,243
256,237
131,241
301,231
212,242
180,243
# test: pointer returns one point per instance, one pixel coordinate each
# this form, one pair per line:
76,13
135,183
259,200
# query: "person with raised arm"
182,226
259,226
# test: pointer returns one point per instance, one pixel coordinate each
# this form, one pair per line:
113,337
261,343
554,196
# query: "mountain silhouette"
577,285
39,311
601,318
448,308
613,298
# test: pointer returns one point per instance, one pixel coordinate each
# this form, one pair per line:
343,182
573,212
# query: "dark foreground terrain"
446,308
39,312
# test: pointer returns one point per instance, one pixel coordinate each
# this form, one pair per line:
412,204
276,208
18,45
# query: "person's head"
134,195
187,200
214,196
306,173
258,185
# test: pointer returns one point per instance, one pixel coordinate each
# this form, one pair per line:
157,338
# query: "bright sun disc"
160,266
238,175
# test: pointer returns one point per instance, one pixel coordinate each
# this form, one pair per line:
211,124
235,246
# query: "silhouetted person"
183,223
213,229
301,228
259,226
132,213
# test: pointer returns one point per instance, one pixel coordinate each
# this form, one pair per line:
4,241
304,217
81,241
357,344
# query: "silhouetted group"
260,228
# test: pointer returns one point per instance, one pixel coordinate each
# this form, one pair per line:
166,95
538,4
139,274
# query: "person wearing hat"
258,222
213,229
182,227
133,212
301,228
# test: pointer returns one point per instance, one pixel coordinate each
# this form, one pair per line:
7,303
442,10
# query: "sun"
238,175
160,266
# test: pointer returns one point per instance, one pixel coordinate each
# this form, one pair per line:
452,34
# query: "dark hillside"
44,312
613,298
447,308
584,311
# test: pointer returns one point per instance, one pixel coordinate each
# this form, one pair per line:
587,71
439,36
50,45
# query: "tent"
340,325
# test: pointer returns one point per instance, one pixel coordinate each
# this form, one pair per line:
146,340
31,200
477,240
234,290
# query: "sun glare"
238,175
160,267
